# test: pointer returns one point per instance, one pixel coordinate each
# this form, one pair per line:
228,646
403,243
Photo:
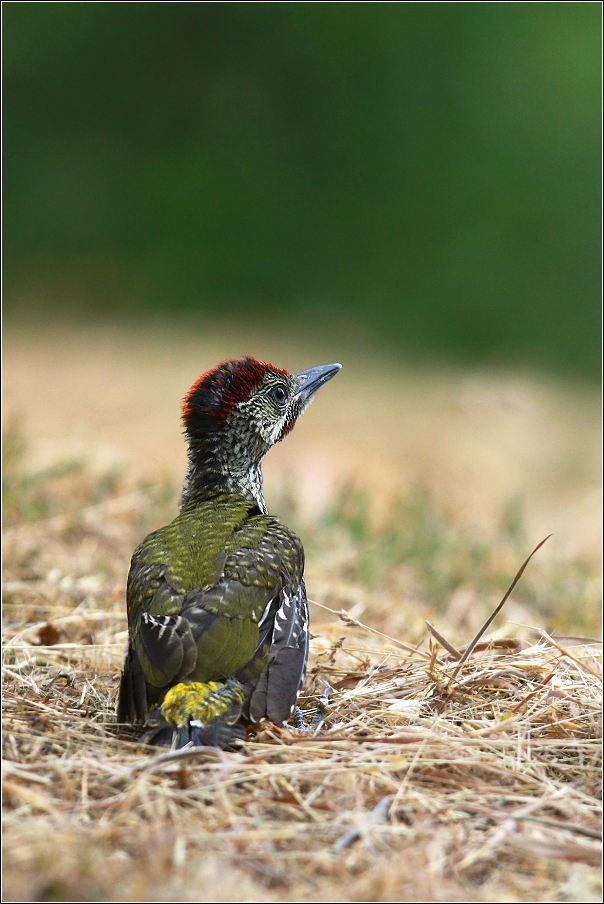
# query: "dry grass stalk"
484,628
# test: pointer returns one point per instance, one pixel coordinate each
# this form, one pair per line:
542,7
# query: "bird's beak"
310,380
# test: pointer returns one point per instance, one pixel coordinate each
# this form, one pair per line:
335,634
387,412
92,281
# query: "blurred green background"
424,177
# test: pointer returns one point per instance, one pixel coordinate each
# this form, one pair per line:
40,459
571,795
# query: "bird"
216,601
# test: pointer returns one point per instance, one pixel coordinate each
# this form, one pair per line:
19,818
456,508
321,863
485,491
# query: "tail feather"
218,733
132,700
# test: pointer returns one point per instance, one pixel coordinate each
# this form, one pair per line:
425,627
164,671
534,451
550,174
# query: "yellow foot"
196,701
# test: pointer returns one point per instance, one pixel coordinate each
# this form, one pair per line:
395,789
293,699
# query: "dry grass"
418,786
417,497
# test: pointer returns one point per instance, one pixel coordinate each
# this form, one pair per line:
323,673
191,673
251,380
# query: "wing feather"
276,691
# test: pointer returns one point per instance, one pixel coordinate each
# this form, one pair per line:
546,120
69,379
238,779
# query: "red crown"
218,390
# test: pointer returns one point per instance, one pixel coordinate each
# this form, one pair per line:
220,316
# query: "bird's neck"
200,480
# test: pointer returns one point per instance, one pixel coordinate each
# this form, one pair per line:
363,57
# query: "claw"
322,709
317,719
298,719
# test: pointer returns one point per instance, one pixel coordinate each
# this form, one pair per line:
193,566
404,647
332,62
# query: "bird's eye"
279,394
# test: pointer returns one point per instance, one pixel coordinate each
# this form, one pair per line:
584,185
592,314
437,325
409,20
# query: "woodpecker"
217,608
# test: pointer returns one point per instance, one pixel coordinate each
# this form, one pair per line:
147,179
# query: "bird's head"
234,413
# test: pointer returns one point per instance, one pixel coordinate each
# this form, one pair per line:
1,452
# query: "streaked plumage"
218,595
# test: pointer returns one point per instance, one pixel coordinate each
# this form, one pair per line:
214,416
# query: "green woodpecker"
217,609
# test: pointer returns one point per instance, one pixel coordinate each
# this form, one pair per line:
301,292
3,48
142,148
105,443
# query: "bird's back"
189,548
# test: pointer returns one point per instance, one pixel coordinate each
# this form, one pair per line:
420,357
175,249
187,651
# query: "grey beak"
310,380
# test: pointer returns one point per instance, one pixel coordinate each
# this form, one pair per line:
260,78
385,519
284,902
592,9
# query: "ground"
418,495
